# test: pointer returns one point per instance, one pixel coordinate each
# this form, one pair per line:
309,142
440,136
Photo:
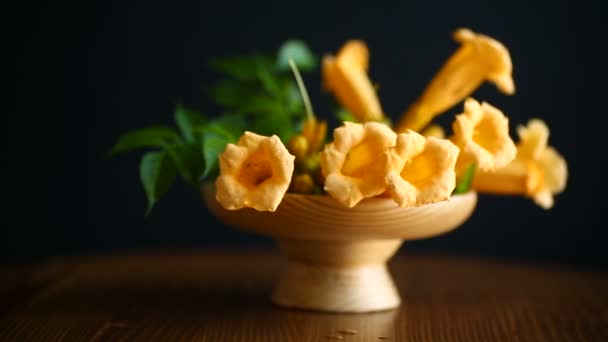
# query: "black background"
89,71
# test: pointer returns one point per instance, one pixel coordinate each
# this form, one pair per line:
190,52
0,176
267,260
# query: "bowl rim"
321,217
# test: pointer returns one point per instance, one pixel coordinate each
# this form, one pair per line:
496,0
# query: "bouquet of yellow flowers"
269,141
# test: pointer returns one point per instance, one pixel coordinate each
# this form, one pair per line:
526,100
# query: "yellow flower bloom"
422,169
346,77
254,173
538,171
479,58
353,164
482,134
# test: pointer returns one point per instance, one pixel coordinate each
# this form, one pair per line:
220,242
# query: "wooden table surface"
223,296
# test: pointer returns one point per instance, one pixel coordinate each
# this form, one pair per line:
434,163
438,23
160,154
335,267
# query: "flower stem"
303,92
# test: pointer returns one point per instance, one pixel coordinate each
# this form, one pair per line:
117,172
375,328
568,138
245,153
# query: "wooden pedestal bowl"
336,255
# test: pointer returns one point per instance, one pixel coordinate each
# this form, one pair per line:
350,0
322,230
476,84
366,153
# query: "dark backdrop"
89,71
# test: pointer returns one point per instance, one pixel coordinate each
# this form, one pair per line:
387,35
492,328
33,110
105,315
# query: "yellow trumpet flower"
353,164
346,77
538,171
422,169
254,173
478,59
482,134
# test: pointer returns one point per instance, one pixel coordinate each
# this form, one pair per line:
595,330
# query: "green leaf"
187,121
345,116
241,67
213,145
261,104
466,180
240,97
142,138
188,160
231,126
157,174
226,129
299,52
293,99
230,93
269,81
274,123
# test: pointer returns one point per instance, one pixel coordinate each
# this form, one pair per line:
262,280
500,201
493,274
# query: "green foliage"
213,145
231,126
217,134
464,183
262,92
256,86
345,116
275,123
230,93
299,52
189,123
257,92
148,137
188,161
157,173
242,68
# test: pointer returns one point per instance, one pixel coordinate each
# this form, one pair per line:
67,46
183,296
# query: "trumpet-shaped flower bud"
482,134
478,59
255,173
422,169
538,171
353,164
298,146
346,77
315,132
303,183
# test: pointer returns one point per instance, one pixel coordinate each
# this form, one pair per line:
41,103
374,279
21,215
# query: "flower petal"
353,164
479,58
555,170
346,77
254,173
538,171
533,139
493,55
422,169
482,134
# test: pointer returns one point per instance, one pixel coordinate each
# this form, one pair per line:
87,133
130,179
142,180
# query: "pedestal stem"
337,276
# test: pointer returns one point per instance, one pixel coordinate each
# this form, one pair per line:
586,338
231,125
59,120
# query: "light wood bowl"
337,256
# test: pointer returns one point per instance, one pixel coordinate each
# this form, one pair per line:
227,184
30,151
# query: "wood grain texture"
337,276
337,255
360,289
222,296
315,217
